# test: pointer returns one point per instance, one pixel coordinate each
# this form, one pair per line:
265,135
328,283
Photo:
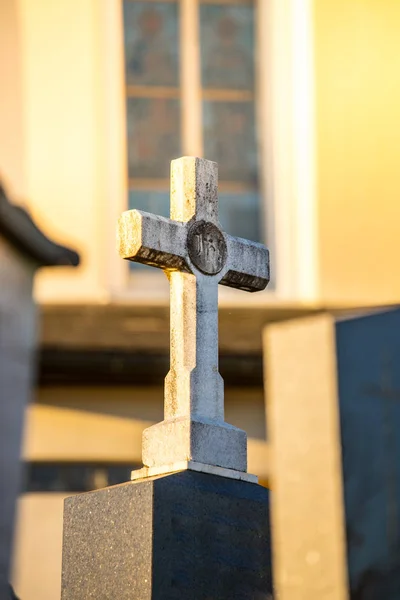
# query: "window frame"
284,115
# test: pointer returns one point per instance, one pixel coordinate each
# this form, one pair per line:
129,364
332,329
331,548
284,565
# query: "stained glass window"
227,46
153,136
229,139
229,130
151,43
154,201
155,103
152,77
239,214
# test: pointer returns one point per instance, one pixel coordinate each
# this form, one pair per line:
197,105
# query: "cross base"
190,465
199,440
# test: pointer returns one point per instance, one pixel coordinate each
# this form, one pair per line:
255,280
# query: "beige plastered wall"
357,87
105,424
12,135
59,96
37,562
62,111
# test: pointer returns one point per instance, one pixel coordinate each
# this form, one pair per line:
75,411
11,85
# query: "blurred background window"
225,75
73,477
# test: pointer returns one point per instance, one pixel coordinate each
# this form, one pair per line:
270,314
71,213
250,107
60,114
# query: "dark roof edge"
18,227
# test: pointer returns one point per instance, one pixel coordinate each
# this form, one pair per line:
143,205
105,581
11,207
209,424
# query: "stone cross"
196,256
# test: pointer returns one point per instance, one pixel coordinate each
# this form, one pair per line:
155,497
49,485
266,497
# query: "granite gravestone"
192,523
333,426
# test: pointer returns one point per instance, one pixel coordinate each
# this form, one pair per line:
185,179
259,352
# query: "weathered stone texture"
197,256
211,443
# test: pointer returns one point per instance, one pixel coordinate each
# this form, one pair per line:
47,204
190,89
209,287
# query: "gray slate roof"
18,227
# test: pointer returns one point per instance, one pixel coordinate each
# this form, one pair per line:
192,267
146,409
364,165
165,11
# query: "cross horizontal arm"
152,240
248,265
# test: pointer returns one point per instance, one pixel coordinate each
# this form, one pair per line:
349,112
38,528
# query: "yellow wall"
12,135
38,540
95,424
357,58
62,146
63,151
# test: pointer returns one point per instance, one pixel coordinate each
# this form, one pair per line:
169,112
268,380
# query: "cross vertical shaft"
193,386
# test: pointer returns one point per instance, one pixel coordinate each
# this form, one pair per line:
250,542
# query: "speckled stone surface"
188,535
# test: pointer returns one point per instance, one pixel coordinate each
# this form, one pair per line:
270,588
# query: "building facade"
297,101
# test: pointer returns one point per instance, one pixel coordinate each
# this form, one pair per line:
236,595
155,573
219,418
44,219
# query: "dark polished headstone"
186,535
368,359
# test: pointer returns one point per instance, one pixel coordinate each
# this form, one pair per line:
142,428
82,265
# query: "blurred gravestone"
23,248
333,395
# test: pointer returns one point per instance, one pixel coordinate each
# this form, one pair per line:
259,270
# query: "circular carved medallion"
207,247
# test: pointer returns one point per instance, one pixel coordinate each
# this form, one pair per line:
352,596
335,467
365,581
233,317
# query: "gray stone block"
183,536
